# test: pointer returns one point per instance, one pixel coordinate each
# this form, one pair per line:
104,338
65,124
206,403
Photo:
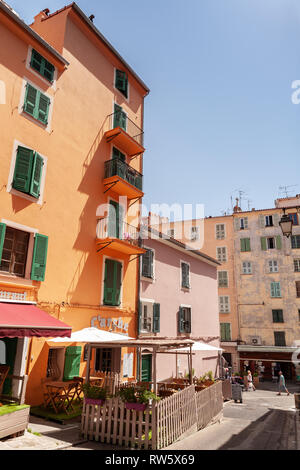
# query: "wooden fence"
159,425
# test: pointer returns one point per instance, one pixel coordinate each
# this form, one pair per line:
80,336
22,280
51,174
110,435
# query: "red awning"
20,320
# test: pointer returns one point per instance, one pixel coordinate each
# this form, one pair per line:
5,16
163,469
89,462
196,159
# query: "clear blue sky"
219,117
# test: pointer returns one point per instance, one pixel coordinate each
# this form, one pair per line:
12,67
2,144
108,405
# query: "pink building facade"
178,300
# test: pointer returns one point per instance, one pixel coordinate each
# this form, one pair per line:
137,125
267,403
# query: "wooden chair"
79,390
3,374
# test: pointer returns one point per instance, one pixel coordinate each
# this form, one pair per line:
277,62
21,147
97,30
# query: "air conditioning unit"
255,340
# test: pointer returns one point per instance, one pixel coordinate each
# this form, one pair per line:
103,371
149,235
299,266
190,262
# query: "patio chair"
3,374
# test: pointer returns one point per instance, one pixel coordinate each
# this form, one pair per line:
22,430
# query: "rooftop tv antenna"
285,190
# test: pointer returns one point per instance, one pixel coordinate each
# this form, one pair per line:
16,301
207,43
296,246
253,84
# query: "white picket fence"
159,425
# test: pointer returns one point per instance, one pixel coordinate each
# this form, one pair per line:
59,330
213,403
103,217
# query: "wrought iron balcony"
118,173
125,133
119,236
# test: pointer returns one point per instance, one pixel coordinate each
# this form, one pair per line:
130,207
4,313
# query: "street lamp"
286,224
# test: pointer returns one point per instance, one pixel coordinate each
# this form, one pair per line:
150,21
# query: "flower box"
135,406
94,401
14,422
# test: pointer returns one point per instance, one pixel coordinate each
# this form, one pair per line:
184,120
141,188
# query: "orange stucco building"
71,130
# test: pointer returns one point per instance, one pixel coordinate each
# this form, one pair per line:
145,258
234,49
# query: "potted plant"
94,395
255,378
136,399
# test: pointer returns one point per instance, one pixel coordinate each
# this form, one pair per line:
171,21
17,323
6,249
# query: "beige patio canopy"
165,346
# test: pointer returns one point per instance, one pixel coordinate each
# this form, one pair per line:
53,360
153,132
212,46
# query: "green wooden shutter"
247,244
39,257
188,321
48,71
72,362
222,331
263,243
156,318
36,176
109,282
243,244
139,319
278,242
36,61
2,238
120,118
118,282
31,100
122,82
43,108
147,264
181,320
23,169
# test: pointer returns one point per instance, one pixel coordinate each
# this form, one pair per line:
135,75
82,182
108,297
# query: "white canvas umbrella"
198,346
91,335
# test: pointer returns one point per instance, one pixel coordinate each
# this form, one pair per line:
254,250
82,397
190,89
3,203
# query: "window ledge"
185,289
147,279
20,282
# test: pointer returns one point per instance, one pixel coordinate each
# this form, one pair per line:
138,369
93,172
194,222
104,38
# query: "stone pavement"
264,421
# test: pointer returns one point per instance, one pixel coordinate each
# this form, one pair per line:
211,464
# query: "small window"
121,82
223,278
36,104
279,338
275,289
150,317
297,265
247,267
295,241
298,288
185,275
14,252
224,306
147,264
270,243
184,320
245,244
243,223
220,231
171,233
28,172
42,66
294,218
222,254
273,266
277,316
103,359
195,235
269,221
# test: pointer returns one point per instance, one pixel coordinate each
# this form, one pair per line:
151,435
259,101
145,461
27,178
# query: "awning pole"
154,371
191,369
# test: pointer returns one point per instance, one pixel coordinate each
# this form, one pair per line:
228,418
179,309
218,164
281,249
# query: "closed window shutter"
139,319
156,318
227,332
72,362
278,242
120,118
109,282
181,320
263,243
118,282
36,176
247,243
261,221
23,170
147,264
246,222
49,71
39,257
236,224
36,61
188,321
242,241
122,82
2,237
43,109
31,99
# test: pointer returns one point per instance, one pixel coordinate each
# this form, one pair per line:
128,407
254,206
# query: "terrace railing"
109,228
120,119
116,167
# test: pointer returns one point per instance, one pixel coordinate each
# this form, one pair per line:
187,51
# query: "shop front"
267,361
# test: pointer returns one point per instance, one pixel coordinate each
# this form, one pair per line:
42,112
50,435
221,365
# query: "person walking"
282,383
250,381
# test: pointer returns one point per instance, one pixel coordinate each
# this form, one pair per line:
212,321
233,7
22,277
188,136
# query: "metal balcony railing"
120,119
116,167
109,228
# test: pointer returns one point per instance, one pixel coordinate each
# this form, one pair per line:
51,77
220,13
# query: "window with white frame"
243,223
224,306
222,254
171,233
246,267
220,231
273,266
223,278
269,221
195,233
297,265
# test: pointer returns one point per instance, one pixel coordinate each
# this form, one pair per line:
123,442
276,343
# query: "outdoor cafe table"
61,394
